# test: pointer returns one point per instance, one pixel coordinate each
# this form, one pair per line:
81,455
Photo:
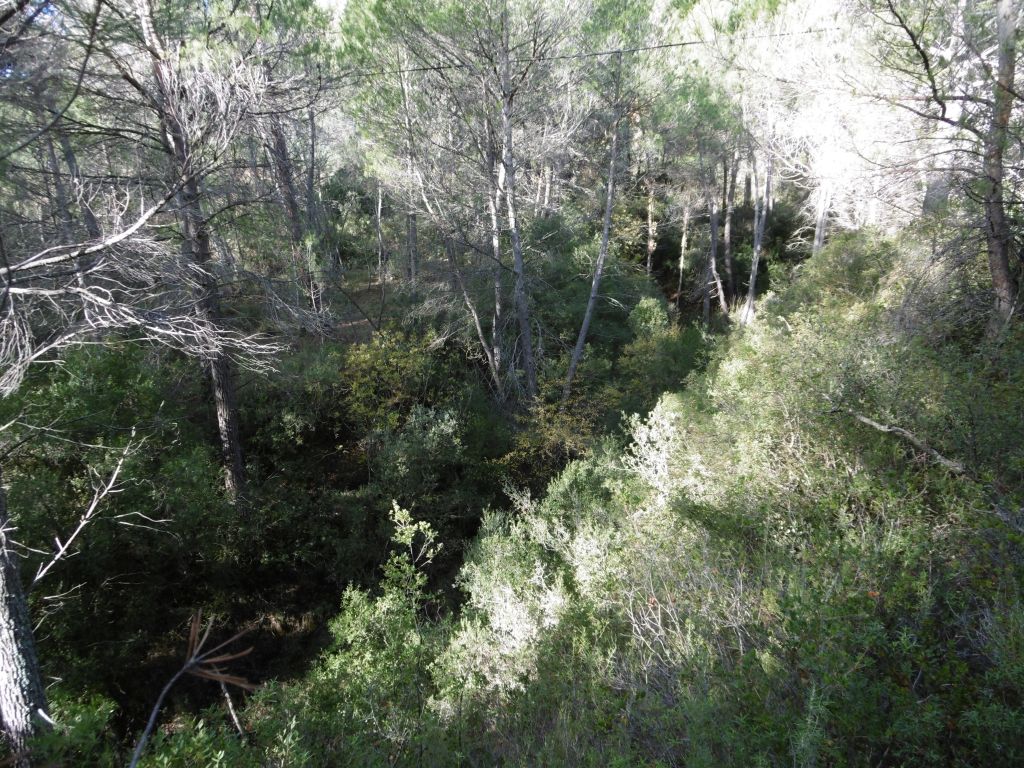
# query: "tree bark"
496,181
730,207
23,708
286,179
60,194
997,229
226,403
821,217
682,253
411,244
545,210
66,218
285,172
519,293
652,229
381,259
475,316
711,273
196,248
761,209
91,225
706,295
74,174
314,219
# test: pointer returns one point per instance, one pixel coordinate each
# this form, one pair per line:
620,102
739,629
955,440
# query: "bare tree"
205,119
477,128
107,274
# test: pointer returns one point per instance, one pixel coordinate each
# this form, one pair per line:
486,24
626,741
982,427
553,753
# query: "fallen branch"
953,466
199,663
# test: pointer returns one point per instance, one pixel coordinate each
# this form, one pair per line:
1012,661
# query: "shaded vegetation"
747,576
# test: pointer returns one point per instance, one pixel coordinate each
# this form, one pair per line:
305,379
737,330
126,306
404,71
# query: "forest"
511,383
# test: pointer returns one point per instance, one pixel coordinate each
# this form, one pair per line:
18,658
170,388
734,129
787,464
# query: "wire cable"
595,54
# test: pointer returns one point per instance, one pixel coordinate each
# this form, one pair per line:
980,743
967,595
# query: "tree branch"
955,467
922,55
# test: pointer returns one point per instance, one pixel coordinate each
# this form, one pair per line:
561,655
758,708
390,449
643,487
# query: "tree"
120,283
998,236
472,90
762,206
947,54
23,707
595,284
182,124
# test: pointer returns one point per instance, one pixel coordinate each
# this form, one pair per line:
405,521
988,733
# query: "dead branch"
199,663
100,492
953,466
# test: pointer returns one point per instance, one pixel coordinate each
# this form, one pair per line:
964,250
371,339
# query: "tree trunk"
286,180
761,210
492,367
711,274
496,182
539,172
314,220
196,248
730,207
66,219
602,254
682,254
706,294
652,229
91,225
997,229
411,245
60,195
520,298
285,173
74,174
546,206
22,695
381,260
821,217
717,281
226,403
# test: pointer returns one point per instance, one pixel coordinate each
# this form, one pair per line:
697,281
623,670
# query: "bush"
748,574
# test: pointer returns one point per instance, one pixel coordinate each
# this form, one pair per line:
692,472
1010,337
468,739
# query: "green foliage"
366,703
649,317
659,362
850,268
753,577
389,375
83,735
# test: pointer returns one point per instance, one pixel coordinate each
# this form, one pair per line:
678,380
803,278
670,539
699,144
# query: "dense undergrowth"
333,437
753,574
